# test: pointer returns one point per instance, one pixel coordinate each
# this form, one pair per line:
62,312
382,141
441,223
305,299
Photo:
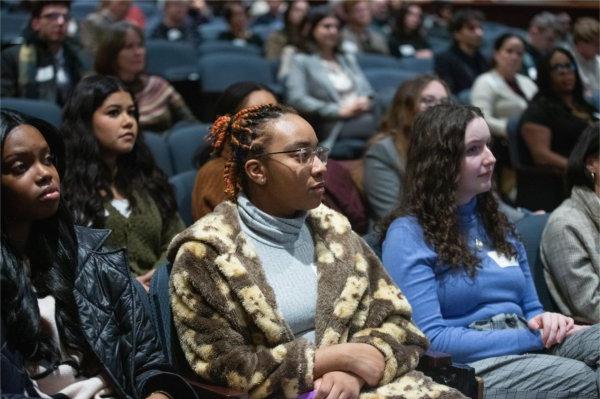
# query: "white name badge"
44,74
502,260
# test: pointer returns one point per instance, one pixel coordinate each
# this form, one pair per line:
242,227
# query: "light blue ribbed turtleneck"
287,252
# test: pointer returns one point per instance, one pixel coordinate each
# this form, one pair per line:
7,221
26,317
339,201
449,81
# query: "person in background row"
586,50
357,34
273,14
328,85
111,180
46,66
541,38
283,44
570,250
462,267
73,321
176,26
502,94
407,38
462,62
236,15
122,54
551,125
385,158
96,24
274,294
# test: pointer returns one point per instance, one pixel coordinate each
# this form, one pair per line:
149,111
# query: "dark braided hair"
246,135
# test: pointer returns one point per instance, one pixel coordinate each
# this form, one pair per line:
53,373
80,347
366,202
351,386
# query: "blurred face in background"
433,94
238,20
131,60
176,11
413,17
118,8
297,12
470,35
562,73
51,25
509,57
326,33
360,14
259,97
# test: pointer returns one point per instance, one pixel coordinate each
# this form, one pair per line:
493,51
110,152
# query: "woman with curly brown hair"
274,294
465,273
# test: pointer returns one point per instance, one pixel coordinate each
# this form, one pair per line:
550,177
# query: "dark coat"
21,64
115,325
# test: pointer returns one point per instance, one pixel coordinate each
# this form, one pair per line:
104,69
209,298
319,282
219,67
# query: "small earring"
593,176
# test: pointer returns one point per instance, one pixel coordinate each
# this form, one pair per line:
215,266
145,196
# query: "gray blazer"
309,90
383,174
570,251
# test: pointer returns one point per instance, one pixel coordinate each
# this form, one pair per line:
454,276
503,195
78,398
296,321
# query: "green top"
144,234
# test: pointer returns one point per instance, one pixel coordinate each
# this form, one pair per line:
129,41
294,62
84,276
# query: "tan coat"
233,334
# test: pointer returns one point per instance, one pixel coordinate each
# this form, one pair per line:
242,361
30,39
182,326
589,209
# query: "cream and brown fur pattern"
233,334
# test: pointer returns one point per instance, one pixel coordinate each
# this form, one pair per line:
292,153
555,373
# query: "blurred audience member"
541,38
570,249
283,44
563,30
122,54
462,62
111,179
586,48
357,34
502,92
380,15
46,66
96,24
551,125
407,39
385,159
238,33
327,85
274,14
436,24
176,26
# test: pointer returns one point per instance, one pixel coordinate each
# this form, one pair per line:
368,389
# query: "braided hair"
246,134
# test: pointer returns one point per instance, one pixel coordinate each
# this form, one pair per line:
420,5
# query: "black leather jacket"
115,324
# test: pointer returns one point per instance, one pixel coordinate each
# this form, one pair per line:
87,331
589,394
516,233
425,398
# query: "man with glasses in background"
45,66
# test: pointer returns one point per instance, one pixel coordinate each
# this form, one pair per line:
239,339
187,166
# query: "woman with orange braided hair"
273,293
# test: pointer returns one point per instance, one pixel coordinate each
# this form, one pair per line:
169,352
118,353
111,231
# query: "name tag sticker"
44,74
502,260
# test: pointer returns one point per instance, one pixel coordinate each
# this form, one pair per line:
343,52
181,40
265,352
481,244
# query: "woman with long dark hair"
550,127
111,179
328,86
122,53
73,322
274,294
459,262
